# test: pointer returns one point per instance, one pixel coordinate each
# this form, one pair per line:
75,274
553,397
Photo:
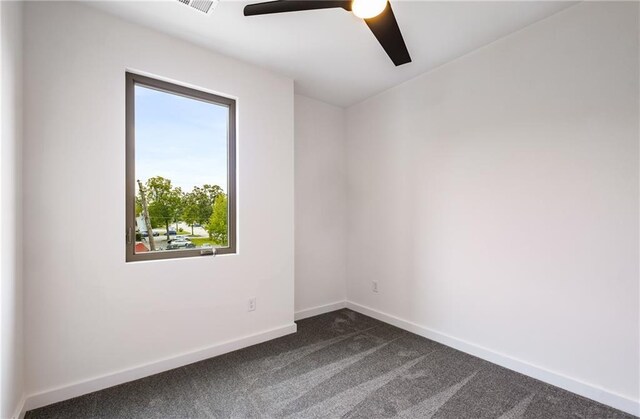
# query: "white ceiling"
331,54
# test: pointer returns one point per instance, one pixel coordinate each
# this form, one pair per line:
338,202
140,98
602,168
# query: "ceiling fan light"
366,9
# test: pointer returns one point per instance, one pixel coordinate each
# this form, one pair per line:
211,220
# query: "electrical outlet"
252,304
374,286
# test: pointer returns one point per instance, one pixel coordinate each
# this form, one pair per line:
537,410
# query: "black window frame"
133,79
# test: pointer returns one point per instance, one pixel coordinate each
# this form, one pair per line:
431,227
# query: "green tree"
165,202
212,192
198,204
217,226
190,210
138,206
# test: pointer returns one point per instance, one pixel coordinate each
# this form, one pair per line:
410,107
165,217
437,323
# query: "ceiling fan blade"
386,30
281,6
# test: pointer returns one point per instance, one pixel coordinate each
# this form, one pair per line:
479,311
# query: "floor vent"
204,6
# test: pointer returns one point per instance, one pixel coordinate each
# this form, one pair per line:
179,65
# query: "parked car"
156,233
171,232
174,245
179,239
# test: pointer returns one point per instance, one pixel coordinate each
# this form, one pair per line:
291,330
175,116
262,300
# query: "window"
180,146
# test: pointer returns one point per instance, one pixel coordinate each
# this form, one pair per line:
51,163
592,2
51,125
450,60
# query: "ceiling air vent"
204,6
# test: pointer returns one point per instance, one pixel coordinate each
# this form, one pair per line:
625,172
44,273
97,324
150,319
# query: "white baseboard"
559,380
20,410
314,311
55,395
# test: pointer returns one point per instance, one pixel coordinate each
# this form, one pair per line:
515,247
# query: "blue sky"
181,139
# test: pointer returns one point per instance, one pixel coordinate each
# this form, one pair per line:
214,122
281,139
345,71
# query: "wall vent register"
204,6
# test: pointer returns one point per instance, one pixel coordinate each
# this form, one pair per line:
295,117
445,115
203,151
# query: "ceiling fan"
377,14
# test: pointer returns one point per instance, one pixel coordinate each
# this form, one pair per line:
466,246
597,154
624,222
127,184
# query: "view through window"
182,168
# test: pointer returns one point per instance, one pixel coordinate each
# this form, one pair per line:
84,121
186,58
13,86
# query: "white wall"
90,313
320,205
11,287
495,199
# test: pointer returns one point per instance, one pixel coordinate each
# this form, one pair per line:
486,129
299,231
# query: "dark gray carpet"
340,364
